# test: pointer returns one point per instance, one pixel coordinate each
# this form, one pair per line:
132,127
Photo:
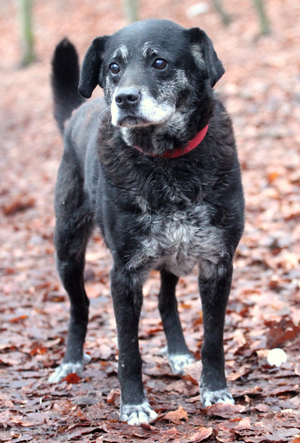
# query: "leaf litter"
262,93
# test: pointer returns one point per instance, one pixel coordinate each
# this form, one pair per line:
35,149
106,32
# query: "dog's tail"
64,81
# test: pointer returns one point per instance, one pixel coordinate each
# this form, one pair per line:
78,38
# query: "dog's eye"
115,68
160,63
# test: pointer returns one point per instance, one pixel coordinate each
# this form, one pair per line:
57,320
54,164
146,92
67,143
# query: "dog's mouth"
132,121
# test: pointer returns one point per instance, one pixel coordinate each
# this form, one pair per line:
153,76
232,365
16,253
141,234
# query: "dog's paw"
68,368
137,414
209,398
86,358
177,361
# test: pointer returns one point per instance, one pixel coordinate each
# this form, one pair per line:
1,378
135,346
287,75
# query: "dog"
155,167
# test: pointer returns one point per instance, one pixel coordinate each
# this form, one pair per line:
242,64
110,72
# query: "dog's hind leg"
72,231
214,284
176,350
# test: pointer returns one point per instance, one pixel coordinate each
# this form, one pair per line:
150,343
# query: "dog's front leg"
127,300
214,284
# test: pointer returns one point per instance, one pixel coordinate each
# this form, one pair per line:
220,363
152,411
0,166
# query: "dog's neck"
179,152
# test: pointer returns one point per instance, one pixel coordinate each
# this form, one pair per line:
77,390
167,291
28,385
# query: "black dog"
156,169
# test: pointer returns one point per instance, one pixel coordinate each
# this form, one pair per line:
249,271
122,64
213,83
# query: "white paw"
86,358
178,361
137,414
69,368
210,398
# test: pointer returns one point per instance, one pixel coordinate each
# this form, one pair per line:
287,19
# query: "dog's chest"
179,240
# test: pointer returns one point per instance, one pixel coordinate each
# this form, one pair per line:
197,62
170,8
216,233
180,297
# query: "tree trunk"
220,9
26,33
131,10
263,19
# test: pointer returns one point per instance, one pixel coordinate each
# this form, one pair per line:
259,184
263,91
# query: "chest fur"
178,240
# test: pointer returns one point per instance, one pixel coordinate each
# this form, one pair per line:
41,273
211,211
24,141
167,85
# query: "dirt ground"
261,90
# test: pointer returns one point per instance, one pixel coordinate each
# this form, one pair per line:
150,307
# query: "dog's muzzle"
134,106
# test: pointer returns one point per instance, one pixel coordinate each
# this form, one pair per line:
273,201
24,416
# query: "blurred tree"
131,10
263,19
260,8
26,33
220,9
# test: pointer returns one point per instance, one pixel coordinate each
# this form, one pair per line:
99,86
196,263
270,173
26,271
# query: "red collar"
189,147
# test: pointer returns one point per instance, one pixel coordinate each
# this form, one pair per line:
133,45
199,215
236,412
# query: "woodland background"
261,90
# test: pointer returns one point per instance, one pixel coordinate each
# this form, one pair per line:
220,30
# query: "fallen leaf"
72,378
114,393
243,424
281,331
147,427
19,319
200,435
176,416
20,203
223,410
104,352
192,372
21,422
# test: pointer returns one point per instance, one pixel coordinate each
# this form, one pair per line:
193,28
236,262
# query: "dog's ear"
205,55
91,65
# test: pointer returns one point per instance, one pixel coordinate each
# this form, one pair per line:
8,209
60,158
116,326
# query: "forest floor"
261,90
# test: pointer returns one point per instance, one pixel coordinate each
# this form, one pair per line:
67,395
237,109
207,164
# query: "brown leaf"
223,410
261,99
147,427
24,437
72,378
194,399
20,203
114,393
38,350
176,416
172,431
5,436
262,408
281,331
19,319
200,435
152,331
19,421
278,436
243,424
286,388
177,386
192,372
224,433
272,176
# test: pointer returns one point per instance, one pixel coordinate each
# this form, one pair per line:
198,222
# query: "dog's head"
148,70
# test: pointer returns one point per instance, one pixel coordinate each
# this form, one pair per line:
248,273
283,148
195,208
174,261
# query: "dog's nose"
128,97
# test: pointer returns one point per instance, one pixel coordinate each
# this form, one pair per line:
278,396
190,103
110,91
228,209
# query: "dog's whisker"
102,112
